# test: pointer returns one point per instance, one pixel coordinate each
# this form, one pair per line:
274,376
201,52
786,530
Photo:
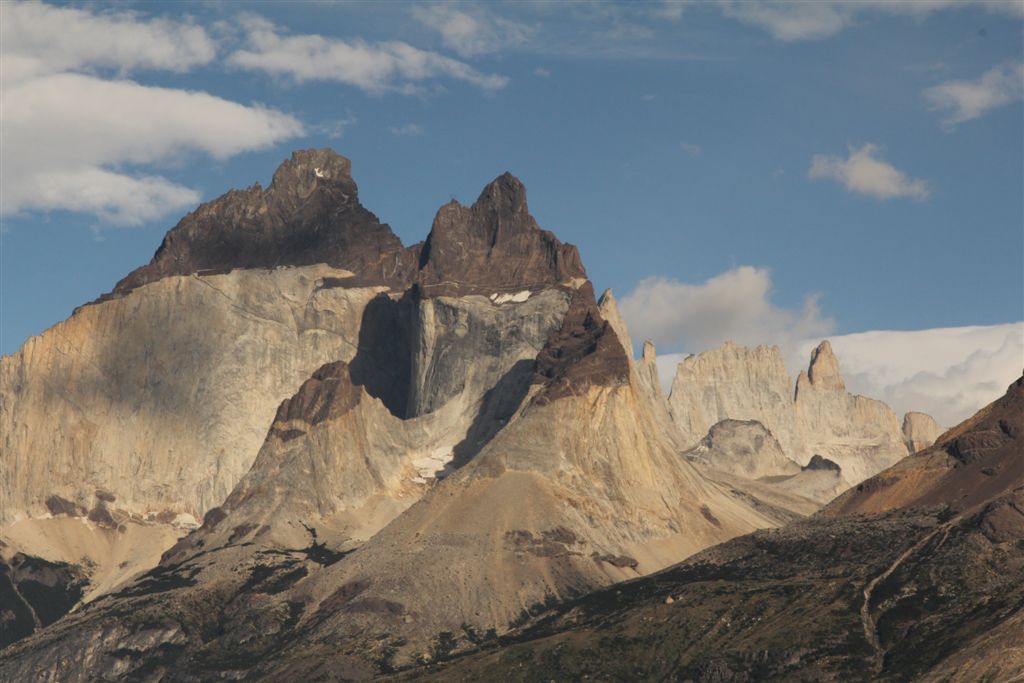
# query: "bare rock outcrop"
513,457
744,448
162,397
920,431
494,247
860,434
979,459
309,214
820,417
737,383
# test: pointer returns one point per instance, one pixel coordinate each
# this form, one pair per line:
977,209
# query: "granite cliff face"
861,435
397,454
820,417
470,420
737,383
744,448
162,397
920,431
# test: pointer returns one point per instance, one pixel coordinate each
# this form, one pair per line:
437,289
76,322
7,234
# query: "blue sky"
765,172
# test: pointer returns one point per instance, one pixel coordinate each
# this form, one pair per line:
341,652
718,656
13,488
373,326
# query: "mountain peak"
823,371
309,214
312,165
494,246
506,194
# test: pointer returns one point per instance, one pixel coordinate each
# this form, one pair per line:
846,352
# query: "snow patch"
319,173
517,298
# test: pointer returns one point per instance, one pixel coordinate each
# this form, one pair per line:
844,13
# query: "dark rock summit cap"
309,214
494,246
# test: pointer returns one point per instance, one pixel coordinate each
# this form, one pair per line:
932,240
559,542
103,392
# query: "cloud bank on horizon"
948,373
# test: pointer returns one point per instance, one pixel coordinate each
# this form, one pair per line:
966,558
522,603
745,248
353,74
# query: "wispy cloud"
41,39
409,130
967,100
101,134
672,9
470,30
379,67
792,20
864,172
733,306
542,72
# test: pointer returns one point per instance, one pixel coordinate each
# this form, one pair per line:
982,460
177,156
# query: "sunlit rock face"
920,431
349,437
818,417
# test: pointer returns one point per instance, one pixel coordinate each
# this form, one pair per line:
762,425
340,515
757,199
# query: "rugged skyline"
409,456
766,154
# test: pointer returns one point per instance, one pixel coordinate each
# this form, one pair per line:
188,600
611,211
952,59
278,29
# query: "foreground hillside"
929,589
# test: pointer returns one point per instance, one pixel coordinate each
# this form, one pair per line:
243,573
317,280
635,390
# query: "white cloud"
408,130
68,137
40,39
472,31
115,198
949,373
735,305
865,173
790,20
72,140
967,100
380,67
542,72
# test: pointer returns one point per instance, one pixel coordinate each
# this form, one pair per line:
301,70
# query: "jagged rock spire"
494,246
823,371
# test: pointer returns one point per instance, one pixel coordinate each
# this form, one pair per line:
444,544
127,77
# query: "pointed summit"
506,194
309,214
494,247
823,371
650,354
